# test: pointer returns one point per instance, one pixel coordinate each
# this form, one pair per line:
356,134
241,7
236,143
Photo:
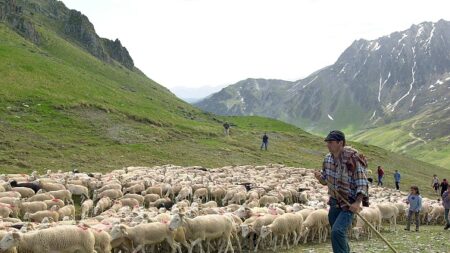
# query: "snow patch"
373,115
439,82
329,116
382,85
410,85
403,37
431,87
304,86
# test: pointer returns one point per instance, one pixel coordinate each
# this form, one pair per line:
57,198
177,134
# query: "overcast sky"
195,43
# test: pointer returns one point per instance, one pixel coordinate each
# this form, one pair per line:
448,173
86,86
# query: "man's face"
334,146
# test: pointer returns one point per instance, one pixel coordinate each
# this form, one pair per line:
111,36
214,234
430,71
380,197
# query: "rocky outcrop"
119,53
12,15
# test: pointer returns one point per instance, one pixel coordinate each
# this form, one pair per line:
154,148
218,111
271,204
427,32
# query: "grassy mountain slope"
62,108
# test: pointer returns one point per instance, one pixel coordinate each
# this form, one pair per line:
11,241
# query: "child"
415,204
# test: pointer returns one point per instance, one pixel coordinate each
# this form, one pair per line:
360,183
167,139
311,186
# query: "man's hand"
318,175
355,207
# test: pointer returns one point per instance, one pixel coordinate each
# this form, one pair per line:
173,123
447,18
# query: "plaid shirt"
336,173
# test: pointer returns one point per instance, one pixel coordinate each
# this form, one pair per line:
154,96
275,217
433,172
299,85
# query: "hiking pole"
364,219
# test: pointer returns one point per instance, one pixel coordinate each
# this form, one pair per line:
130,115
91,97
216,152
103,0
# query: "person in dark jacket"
265,141
397,177
444,186
380,173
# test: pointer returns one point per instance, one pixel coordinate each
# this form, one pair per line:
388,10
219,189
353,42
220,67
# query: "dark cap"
335,135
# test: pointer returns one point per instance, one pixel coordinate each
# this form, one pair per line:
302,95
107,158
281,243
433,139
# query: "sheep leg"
138,248
275,239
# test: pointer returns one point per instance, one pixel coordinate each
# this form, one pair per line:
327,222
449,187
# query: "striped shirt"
338,176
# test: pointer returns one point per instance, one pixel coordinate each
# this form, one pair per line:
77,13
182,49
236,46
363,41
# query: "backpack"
351,165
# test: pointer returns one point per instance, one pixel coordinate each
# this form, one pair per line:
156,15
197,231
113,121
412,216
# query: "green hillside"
62,108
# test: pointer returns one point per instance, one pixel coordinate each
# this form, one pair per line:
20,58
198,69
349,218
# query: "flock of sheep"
175,209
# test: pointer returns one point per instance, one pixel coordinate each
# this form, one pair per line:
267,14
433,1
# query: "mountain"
390,80
65,105
195,94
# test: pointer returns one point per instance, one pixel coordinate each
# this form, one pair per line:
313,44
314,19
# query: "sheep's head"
265,231
176,221
246,229
9,240
26,216
242,212
357,232
118,231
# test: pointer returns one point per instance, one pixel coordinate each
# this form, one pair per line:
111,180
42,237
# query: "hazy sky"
195,43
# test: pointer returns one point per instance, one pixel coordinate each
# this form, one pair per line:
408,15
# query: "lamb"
253,225
54,202
208,227
40,215
32,207
64,211
24,191
389,211
55,239
282,226
86,208
146,234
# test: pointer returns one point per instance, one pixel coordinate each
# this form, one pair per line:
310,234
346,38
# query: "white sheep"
390,212
40,215
316,223
54,239
32,207
25,192
146,234
282,226
103,204
86,208
63,195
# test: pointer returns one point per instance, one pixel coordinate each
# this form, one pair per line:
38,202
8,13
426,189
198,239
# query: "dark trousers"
340,221
380,180
264,144
417,218
397,185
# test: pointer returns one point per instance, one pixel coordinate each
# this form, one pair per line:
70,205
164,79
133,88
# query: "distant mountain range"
400,82
195,94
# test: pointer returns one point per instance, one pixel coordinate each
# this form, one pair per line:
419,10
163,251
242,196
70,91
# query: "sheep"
435,213
137,197
129,202
154,190
13,204
137,188
24,191
146,234
48,186
102,241
40,215
32,207
282,226
149,198
10,250
317,221
110,193
10,194
78,190
201,194
55,239
266,200
103,204
238,198
109,187
201,228
5,210
63,195
64,211
41,197
86,208
389,211
54,202
373,216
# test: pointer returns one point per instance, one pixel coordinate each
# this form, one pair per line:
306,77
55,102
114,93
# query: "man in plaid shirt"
344,172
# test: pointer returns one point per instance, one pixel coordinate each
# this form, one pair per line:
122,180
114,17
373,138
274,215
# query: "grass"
430,239
61,108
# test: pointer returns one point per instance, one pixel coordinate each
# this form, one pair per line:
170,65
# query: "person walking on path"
415,205
380,173
446,204
444,186
397,177
226,128
435,184
265,141
344,173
